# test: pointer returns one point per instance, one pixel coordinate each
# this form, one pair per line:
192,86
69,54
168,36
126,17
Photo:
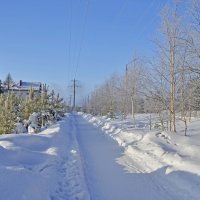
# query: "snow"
173,158
20,128
24,86
84,157
33,120
41,166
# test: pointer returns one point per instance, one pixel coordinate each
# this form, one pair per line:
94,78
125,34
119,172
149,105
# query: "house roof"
28,85
24,86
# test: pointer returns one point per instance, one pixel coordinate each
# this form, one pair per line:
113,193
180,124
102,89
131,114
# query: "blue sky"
54,40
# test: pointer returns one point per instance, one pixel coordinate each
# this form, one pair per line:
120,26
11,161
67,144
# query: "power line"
74,86
70,34
82,37
75,46
120,12
146,11
69,39
145,28
150,21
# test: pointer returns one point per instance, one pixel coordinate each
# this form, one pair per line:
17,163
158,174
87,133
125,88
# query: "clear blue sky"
48,40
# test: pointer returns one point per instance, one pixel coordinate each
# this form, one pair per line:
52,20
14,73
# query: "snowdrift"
174,155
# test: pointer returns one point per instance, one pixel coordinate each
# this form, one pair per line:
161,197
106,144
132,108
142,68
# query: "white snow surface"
84,157
171,159
43,166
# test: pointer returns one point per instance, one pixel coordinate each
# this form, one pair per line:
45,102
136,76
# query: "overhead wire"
145,28
147,9
69,39
145,13
82,38
120,11
75,37
150,22
77,56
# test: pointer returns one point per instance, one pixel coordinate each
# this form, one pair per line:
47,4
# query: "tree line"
33,111
168,83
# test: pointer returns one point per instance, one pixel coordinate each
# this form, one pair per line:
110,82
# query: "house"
21,88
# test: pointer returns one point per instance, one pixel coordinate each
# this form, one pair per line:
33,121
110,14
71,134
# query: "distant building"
21,88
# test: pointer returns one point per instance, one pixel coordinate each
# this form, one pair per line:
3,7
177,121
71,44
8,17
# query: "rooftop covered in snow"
23,86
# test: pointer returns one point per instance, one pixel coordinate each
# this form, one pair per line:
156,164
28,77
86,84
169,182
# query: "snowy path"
74,160
43,166
71,183
106,179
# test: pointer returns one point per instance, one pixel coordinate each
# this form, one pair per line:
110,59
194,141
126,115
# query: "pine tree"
58,105
1,90
44,106
8,81
7,113
29,105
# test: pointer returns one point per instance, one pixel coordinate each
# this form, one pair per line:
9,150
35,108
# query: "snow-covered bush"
19,114
33,128
34,123
20,128
34,118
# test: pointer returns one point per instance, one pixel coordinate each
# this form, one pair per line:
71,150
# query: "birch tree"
135,75
169,47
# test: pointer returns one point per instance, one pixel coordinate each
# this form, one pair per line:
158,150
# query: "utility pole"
126,70
74,93
126,82
74,102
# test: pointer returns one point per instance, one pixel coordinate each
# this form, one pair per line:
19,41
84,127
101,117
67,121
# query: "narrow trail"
105,178
71,181
88,169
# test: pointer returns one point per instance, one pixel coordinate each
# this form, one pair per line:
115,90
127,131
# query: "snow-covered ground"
113,160
174,158
42,166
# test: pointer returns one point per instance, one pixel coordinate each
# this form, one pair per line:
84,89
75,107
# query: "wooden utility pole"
74,85
74,93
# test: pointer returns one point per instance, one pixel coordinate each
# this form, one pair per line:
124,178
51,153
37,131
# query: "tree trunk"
132,108
172,101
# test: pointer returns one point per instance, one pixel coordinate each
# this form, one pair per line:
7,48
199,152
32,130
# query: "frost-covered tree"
170,48
104,100
8,81
134,84
119,94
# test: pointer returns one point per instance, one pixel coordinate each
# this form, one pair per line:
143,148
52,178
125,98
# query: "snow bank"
148,151
41,166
